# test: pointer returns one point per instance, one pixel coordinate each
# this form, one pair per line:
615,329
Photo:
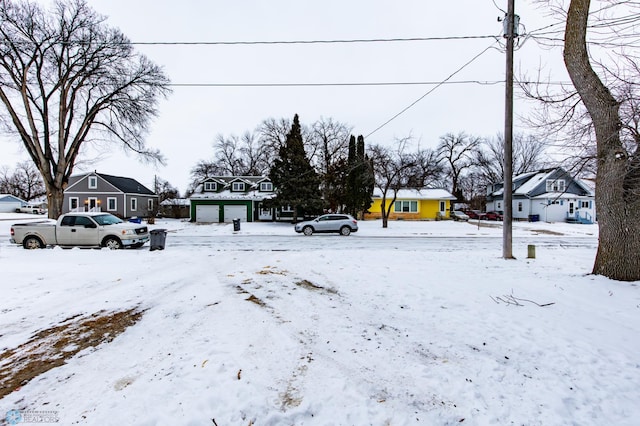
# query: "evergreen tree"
360,181
366,180
295,180
351,186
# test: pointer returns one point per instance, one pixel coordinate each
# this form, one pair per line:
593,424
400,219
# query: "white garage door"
235,212
207,214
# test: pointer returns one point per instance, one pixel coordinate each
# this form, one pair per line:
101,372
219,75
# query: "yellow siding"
427,209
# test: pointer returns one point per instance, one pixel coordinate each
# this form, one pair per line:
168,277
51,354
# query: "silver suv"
341,223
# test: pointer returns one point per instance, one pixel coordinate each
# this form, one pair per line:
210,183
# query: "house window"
443,206
150,204
519,206
406,206
237,187
266,186
287,209
92,204
585,204
210,186
73,204
93,182
134,204
111,204
556,185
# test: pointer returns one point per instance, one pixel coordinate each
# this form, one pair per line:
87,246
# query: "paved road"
356,242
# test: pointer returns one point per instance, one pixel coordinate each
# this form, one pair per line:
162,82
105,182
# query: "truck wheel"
112,243
31,243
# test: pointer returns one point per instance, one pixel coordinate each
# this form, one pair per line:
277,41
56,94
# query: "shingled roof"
127,185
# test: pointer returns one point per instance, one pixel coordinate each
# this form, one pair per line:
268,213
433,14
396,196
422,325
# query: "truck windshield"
106,219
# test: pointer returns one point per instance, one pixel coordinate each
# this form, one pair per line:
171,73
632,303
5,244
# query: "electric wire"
433,89
327,41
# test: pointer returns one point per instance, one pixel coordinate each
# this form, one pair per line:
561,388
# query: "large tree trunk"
617,191
55,198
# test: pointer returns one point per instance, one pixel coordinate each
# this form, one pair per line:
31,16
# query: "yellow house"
413,204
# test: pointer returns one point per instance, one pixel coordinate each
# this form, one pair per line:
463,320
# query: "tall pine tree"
366,180
296,182
360,180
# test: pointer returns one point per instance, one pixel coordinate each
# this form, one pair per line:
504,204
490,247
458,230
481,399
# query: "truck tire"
32,243
112,243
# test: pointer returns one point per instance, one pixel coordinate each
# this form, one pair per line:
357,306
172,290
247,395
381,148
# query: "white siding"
235,212
207,214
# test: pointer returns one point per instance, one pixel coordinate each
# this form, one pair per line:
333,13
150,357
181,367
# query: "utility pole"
507,224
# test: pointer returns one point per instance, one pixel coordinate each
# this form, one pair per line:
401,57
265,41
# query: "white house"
551,195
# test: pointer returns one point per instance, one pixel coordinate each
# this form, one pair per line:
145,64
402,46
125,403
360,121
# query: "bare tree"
528,156
201,172
618,167
272,135
24,182
67,79
456,152
328,142
255,156
327,147
395,169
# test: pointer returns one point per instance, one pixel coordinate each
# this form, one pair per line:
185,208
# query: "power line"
356,84
333,41
433,89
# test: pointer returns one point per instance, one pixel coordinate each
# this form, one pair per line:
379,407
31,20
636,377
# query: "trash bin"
534,218
236,225
157,239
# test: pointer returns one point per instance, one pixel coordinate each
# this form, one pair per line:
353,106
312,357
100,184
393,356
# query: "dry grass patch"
311,286
52,347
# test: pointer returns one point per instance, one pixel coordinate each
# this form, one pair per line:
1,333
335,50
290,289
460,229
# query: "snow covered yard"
397,336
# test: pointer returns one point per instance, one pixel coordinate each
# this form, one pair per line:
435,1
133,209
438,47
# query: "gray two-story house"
121,196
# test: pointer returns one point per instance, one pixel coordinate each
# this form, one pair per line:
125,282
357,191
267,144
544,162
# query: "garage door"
207,214
235,212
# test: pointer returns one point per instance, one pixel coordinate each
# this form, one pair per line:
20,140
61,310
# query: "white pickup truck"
87,229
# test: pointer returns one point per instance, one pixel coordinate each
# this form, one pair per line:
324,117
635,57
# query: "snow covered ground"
319,335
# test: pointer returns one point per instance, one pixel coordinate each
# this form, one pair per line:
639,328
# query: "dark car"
495,216
475,214
340,223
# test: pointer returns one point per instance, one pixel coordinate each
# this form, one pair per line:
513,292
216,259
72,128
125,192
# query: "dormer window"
237,187
93,182
210,186
556,185
266,186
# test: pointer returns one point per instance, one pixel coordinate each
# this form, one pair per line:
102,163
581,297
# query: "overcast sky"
191,117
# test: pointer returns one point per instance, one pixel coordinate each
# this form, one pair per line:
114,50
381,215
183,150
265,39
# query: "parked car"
495,216
31,209
340,223
89,229
458,215
475,214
